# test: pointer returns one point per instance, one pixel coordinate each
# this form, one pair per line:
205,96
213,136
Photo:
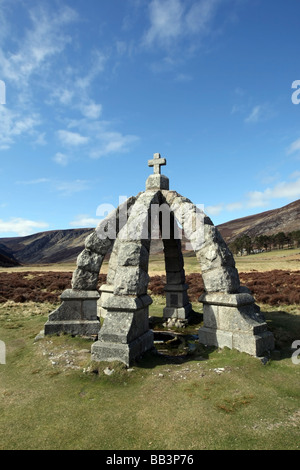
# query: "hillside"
286,219
59,246
7,259
47,247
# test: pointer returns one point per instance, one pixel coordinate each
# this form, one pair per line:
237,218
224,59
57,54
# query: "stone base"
178,305
126,353
72,327
255,345
181,313
77,315
157,182
234,321
125,333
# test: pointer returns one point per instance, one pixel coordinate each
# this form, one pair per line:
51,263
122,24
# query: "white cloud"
255,114
261,112
36,181
294,147
288,190
284,190
172,19
84,221
21,227
71,138
61,158
200,15
183,78
40,139
165,21
91,110
102,139
14,124
67,188
234,206
214,210
113,142
43,39
295,174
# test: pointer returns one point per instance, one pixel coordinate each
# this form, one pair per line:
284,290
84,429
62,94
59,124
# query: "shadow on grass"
286,329
178,346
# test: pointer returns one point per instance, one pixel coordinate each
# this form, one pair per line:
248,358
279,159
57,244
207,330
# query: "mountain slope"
286,219
59,246
7,259
48,247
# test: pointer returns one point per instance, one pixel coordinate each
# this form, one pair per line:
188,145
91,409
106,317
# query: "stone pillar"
177,302
77,315
178,306
234,321
125,333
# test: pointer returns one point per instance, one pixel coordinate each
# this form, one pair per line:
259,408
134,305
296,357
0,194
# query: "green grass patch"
52,396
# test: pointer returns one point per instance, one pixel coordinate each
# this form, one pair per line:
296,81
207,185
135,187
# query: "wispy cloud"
64,188
171,20
294,147
284,189
35,181
261,112
21,227
14,124
61,158
67,188
214,210
84,221
25,66
103,139
44,39
255,114
71,139
289,190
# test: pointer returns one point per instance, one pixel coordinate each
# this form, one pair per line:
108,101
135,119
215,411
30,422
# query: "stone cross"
157,162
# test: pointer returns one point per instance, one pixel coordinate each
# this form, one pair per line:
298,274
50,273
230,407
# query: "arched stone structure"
231,317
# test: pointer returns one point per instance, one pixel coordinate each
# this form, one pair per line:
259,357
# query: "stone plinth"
157,182
177,302
77,315
234,321
125,333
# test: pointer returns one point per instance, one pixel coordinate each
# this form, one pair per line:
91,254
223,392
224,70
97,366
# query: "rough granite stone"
84,280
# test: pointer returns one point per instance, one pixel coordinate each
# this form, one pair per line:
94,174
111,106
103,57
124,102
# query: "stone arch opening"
231,317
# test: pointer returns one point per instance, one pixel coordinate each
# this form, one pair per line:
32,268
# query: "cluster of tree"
246,245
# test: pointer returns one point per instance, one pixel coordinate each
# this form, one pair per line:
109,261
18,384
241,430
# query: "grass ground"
52,396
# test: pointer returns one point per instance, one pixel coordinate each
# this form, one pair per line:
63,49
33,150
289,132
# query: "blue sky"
94,88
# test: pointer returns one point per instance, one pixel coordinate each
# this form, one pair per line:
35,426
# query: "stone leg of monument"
125,333
77,315
177,301
234,321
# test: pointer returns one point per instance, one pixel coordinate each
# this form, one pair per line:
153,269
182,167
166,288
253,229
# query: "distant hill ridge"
58,246
286,219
